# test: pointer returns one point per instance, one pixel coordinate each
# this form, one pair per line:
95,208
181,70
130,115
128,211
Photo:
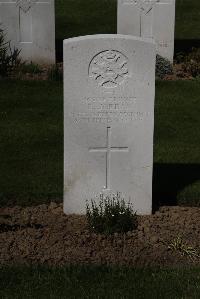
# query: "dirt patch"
179,73
44,235
46,72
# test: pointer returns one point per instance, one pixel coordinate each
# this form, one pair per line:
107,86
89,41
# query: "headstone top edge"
132,2
108,36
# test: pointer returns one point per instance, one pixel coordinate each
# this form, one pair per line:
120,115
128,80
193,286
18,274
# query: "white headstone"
149,19
30,26
108,119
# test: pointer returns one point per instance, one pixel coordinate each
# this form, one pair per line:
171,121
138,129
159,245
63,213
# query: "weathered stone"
109,83
149,19
30,27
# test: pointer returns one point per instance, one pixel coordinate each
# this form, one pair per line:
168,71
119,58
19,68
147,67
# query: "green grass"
31,141
177,110
187,19
80,17
98,282
177,143
31,138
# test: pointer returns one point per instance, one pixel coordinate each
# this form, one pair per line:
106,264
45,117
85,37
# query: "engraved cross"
25,5
24,17
108,150
146,17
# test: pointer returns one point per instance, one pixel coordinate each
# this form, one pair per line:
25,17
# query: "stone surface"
30,26
108,120
149,19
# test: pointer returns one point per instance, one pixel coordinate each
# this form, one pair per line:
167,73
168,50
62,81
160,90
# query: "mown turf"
98,282
80,17
31,138
177,110
187,19
177,143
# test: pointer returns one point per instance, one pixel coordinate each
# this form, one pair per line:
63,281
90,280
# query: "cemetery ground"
38,241
160,259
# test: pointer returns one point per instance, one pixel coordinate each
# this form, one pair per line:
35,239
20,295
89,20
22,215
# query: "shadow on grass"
173,184
186,45
170,179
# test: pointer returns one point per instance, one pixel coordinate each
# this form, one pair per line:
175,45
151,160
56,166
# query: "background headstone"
149,19
108,119
30,26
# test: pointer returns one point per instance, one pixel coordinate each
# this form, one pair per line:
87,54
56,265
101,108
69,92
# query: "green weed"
30,68
180,246
110,215
55,73
9,58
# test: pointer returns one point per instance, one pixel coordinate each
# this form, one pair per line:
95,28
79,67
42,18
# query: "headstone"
149,19
30,26
108,120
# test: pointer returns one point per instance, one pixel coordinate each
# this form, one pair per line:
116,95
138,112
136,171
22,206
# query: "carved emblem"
109,68
25,5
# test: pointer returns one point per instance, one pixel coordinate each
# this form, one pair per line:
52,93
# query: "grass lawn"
177,143
31,141
187,19
80,17
98,282
31,138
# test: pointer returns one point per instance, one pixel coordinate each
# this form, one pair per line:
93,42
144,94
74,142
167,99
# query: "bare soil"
44,235
43,75
179,73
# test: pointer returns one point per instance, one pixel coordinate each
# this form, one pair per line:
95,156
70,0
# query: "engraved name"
110,116
110,103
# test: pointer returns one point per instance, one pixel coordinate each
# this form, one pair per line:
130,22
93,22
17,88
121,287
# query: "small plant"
55,73
9,59
178,245
110,215
30,68
163,67
180,57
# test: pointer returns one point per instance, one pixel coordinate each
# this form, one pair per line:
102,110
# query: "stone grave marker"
108,119
149,19
30,26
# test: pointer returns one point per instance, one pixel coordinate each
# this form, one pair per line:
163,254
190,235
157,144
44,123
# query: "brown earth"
44,235
179,73
43,75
